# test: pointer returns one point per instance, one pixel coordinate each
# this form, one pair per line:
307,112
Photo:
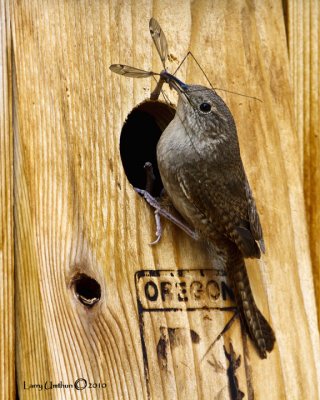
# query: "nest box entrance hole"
138,141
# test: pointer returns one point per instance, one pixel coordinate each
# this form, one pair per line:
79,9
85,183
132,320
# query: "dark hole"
138,141
87,289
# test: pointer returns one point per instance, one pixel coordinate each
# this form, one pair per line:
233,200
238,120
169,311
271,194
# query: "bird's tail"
259,329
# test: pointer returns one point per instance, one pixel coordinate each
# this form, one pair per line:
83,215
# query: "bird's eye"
205,107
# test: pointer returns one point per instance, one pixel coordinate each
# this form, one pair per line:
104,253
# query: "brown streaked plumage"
202,172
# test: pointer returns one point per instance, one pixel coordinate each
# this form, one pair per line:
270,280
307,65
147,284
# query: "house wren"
202,172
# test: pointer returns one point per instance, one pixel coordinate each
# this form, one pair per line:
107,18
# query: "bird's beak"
174,82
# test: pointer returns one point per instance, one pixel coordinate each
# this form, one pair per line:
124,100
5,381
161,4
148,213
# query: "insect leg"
156,92
198,64
207,79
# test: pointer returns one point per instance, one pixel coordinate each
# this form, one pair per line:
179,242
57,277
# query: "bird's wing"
254,220
222,203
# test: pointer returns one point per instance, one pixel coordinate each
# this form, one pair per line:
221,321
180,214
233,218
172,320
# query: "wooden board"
82,233
303,41
7,329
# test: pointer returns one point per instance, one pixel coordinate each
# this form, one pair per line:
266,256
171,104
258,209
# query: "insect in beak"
174,82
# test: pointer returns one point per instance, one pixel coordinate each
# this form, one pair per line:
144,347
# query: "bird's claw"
156,205
158,230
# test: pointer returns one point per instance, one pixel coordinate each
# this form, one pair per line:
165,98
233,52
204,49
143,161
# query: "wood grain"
76,213
7,329
303,42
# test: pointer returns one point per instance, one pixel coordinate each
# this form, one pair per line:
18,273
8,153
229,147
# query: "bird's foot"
162,211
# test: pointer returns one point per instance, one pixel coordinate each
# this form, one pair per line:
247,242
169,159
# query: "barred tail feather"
259,329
